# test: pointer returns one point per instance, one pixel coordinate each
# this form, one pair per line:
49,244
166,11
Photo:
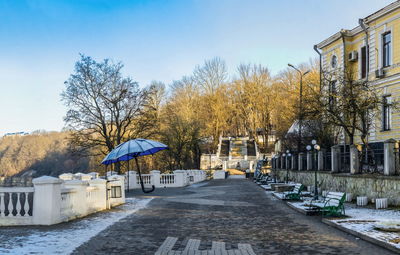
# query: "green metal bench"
295,194
332,205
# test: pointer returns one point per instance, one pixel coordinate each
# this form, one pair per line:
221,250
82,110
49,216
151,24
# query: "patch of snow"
365,221
370,214
65,237
199,184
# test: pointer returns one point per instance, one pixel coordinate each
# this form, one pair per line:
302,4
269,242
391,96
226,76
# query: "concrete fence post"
335,160
294,162
156,176
286,162
180,178
309,160
389,157
301,165
354,160
133,177
321,160
47,200
282,162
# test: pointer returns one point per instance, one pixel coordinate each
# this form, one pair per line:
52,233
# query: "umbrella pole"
128,176
141,180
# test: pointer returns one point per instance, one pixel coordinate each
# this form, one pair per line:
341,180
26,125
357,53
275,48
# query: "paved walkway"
222,216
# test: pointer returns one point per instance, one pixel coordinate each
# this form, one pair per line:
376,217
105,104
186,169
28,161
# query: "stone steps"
192,248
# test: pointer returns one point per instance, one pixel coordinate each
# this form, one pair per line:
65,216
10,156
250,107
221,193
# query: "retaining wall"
372,186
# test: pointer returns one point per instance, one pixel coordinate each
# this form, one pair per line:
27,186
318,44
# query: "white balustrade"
146,179
166,179
14,205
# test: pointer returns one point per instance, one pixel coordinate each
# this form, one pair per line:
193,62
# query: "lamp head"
308,147
317,147
314,142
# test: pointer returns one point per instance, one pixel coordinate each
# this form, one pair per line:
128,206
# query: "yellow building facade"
378,63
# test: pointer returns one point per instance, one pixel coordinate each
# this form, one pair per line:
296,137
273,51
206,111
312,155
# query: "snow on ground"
198,185
365,220
65,237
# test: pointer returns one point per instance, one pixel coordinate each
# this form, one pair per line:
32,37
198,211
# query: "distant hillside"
40,153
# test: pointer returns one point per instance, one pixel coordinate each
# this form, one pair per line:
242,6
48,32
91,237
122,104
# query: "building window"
364,61
333,61
386,49
386,113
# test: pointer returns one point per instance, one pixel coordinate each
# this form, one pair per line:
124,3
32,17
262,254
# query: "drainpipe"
342,33
364,28
320,67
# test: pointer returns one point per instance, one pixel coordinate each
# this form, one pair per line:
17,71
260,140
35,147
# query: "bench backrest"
297,188
335,198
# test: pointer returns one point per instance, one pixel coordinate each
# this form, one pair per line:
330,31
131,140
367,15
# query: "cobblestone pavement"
230,211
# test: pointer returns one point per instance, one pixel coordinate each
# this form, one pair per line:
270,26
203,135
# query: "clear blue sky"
156,40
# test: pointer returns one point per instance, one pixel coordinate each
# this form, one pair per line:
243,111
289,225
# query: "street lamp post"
314,147
286,165
300,114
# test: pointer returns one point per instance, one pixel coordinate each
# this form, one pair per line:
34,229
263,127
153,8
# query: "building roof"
381,12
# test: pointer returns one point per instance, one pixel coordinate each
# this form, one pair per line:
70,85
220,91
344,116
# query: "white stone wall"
53,200
179,178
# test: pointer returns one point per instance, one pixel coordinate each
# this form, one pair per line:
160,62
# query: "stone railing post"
300,160
66,176
131,180
80,205
47,200
321,160
156,178
101,185
282,162
354,160
309,160
180,178
335,150
294,162
389,157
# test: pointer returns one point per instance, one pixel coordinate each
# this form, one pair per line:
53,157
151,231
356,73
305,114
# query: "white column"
133,177
389,157
47,200
180,178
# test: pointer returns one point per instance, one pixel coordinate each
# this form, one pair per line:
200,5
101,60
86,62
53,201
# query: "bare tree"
104,108
211,75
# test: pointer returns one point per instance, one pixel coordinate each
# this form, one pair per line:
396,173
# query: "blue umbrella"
133,149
